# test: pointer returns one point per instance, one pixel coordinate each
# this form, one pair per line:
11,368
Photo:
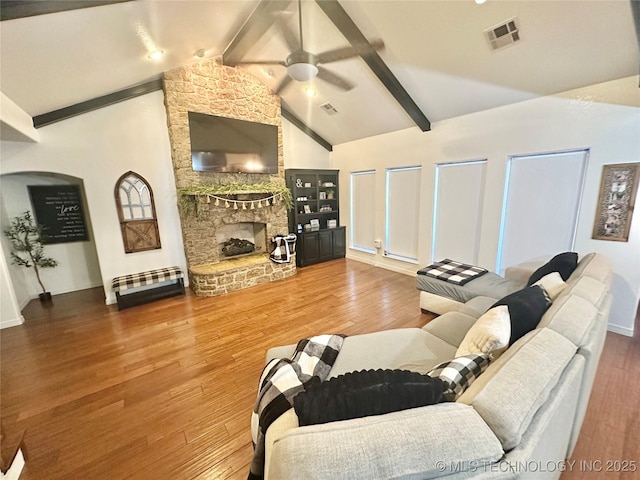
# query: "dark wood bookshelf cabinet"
316,200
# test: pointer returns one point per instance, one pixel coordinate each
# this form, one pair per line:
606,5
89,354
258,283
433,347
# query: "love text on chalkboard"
58,208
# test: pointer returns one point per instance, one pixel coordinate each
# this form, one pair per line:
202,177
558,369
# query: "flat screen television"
229,145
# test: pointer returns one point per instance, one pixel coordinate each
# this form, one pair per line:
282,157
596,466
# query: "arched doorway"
78,266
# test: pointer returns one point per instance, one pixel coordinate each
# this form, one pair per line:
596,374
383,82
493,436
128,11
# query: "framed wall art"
618,188
58,209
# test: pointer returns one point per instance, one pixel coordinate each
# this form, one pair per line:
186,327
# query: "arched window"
137,213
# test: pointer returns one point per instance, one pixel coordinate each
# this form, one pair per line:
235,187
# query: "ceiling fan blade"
346,52
335,79
283,84
290,38
262,62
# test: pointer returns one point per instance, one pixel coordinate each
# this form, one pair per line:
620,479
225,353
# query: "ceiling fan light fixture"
302,72
301,65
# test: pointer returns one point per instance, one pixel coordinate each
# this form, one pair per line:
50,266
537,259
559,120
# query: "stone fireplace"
219,90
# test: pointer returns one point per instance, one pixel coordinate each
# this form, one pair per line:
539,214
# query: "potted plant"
27,241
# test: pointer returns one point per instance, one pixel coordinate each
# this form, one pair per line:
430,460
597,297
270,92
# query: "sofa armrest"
520,273
283,351
450,327
425,442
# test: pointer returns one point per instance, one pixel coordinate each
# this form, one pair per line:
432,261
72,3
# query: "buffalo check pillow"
458,374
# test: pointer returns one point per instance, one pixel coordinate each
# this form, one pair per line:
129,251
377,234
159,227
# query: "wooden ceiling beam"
11,10
352,33
260,20
96,103
289,115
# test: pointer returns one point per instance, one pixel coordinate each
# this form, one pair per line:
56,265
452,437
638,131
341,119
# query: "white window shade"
362,225
541,204
457,214
403,213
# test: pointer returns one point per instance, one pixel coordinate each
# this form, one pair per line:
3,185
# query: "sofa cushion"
590,289
478,305
491,332
526,308
572,317
490,284
365,393
510,392
451,327
552,284
595,266
459,373
391,349
387,446
563,263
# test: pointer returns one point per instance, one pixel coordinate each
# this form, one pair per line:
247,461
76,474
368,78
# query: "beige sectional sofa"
520,419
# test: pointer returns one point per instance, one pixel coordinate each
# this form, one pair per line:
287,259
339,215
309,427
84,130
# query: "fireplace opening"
241,239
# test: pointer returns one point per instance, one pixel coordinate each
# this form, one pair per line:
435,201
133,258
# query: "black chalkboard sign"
58,208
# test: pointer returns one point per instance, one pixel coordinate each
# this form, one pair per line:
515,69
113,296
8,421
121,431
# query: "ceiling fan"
303,65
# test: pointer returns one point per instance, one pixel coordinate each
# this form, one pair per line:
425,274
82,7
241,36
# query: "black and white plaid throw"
150,277
281,380
460,373
452,271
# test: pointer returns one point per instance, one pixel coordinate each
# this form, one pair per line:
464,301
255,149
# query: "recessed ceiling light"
310,92
156,55
480,2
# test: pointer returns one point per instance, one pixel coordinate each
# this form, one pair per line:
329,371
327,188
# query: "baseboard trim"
12,323
386,266
357,258
627,332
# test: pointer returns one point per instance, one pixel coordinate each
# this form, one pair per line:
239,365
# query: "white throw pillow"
489,335
553,284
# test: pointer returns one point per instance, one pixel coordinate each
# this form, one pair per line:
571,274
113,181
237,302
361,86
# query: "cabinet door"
339,243
326,244
310,252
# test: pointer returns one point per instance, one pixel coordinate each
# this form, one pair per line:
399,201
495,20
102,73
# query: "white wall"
604,118
98,147
300,150
10,315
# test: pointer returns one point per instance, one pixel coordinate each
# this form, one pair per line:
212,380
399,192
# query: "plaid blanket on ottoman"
281,380
452,271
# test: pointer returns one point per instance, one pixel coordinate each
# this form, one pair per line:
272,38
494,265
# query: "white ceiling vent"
330,109
502,35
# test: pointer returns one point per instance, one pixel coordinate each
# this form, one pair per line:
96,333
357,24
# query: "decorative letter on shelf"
137,213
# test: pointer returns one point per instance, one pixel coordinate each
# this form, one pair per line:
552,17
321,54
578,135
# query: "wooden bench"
138,281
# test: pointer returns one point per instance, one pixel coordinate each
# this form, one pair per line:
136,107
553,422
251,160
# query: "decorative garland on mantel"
220,195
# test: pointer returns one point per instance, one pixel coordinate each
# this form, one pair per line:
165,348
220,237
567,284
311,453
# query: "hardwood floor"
165,390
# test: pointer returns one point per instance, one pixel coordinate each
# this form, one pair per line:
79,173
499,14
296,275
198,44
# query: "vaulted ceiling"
436,50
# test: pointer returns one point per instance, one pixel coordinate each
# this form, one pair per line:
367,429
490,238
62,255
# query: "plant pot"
45,297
